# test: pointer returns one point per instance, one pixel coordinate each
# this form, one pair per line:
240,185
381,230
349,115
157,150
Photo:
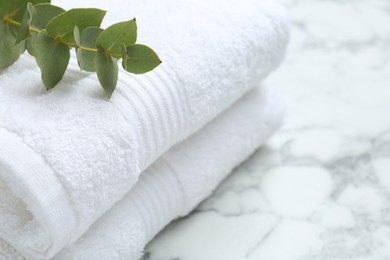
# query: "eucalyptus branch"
32,29
48,33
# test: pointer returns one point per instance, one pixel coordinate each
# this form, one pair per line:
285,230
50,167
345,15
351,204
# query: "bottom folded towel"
178,181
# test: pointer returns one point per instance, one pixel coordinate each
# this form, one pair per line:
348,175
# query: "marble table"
320,188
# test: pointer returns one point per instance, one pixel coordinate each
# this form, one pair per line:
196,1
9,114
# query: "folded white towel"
66,156
179,180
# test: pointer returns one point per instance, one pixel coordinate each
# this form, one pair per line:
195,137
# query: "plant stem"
11,21
88,49
16,23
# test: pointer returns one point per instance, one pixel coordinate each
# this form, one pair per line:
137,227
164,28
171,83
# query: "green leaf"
42,14
16,9
87,39
17,12
7,7
30,44
20,47
23,32
139,59
10,8
23,8
62,26
76,35
52,58
112,38
8,53
107,71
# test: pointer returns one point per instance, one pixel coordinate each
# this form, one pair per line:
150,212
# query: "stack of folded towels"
83,177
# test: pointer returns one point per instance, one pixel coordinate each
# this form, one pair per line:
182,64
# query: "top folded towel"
67,155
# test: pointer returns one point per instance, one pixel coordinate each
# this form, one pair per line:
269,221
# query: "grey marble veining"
320,189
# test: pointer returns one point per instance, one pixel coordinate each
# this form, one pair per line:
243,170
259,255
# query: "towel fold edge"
18,162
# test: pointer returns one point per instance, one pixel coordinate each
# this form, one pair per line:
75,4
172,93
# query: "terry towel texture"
67,155
178,180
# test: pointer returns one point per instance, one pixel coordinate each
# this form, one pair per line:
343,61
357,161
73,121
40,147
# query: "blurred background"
320,188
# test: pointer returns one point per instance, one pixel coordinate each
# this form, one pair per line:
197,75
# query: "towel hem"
33,181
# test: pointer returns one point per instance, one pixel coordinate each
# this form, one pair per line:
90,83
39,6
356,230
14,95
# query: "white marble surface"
320,189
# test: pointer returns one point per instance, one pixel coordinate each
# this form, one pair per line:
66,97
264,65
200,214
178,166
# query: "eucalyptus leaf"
17,12
77,36
62,26
52,58
23,7
8,6
86,59
30,43
16,8
139,59
107,71
42,14
20,47
23,32
11,7
8,53
112,38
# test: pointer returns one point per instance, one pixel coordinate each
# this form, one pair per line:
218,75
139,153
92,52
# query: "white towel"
179,180
67,155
